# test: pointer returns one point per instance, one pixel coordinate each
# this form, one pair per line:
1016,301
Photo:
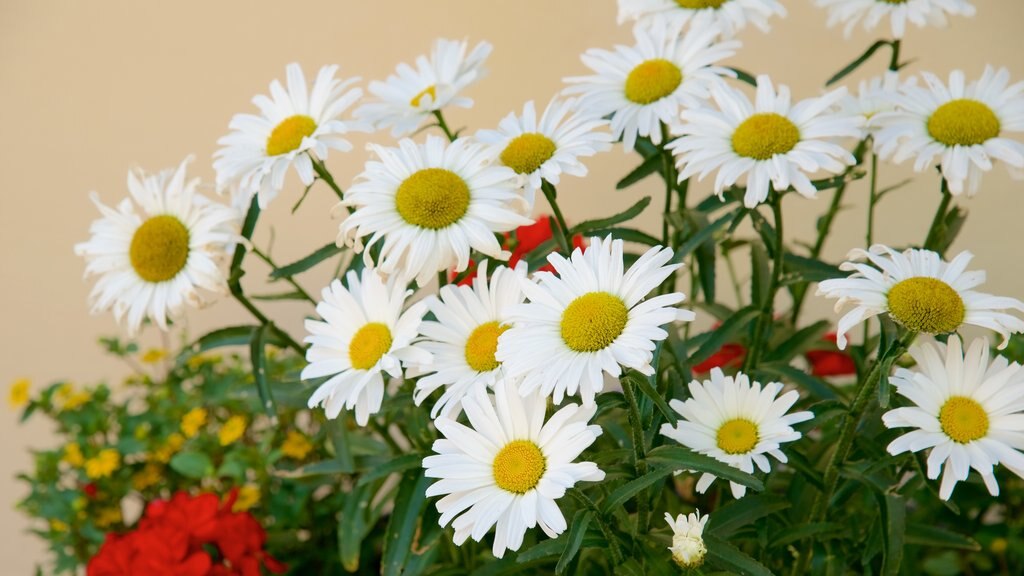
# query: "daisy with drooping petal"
964,126
464,338
428,204
589,320
410,95
644,85
920,13
967,409
730,16
920,291
546,149
736,421
509,466
688,547
874,96
772,142
364,334
292,125
162,248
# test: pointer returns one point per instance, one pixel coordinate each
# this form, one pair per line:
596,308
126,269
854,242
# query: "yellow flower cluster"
193,421
107,517
154,355
73,455
248,496
19,394
296,445
70,398
164,453
149,476
232,430
103,464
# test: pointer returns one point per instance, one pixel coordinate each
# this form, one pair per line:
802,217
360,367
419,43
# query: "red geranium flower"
728,356
90,490
521,242
831,362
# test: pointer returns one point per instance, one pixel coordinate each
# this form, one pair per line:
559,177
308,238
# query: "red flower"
521,242
188,536
728,356
830,362
90,490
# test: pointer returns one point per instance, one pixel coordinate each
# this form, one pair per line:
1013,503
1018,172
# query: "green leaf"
743,76
577,530
315,469
800,341
627,234
352,526
809,269
760,274
728,332
736,514
624,216
293,295
894,518
623,493
816,386
649,166
398,464
704,234
679,458
801,531
303,264
849,68
724,555
343,442
659,402
257,349
231,336
404,522
935,537
706,255
192,464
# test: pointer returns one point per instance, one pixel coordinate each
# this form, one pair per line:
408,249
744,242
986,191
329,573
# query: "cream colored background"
88,89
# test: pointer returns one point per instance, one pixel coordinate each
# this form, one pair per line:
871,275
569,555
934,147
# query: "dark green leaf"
627,234
624,216
404,522
894,517
809,269
760,274
315,469
816,386
801,341
704,234
645,386
257,349
849,68
744,76
352,526
738,513
679,458
231,336
706,254
307,262
724,555
293,295
933,536
649,166
623,493
728,332
797,533
577,530
192,464
399,464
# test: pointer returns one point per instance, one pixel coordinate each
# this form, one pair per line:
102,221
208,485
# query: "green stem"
767,316
266,258
444,126
561,231
606,530
938,228
872,200
325,175
669,168
639,453
894,61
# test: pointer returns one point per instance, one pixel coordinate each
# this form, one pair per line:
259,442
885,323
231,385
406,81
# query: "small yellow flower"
174,443
107,517
73,455
58,525
999,545
71,399
192,421
231,430
248,496
153,355
19,395
149,476
296,445
103,464
141,431
197,361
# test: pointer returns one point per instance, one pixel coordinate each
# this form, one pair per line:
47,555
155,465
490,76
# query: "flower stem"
639,453
444,126
561,231
325,175
669,172
270,262
937,231
767,316
606,530
894,61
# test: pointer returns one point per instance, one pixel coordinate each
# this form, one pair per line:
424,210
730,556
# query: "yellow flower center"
963,419
432,198
481,345
764,135
432,90
519,466
700,4
652,80
737,436
159,248
368,345
288,135
963,122
927,305
526,152
593,321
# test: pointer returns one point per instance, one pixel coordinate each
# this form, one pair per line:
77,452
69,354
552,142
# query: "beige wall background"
89,89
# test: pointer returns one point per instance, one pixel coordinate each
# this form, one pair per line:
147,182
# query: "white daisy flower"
688,547
918,290
364,334
736,422
730,16
428,205
644,85
292,125
507,469
546,149
921,13
967,409
410,95
964,126
588,320
464,338
159,249
772,142
874,96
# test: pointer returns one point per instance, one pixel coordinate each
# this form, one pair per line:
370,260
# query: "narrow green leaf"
801,341
724,555
352,526
894,527
649,166
230,336
809,269
743,76
623,493
331,467
849,68
935,537
704,234
577,530
257,349
343,442
627,234
293,295
307,262
679,458
624,216
816,386
659,402
392,466
728,519
404,521
799,532
728,332
192,464
706,256
760,274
